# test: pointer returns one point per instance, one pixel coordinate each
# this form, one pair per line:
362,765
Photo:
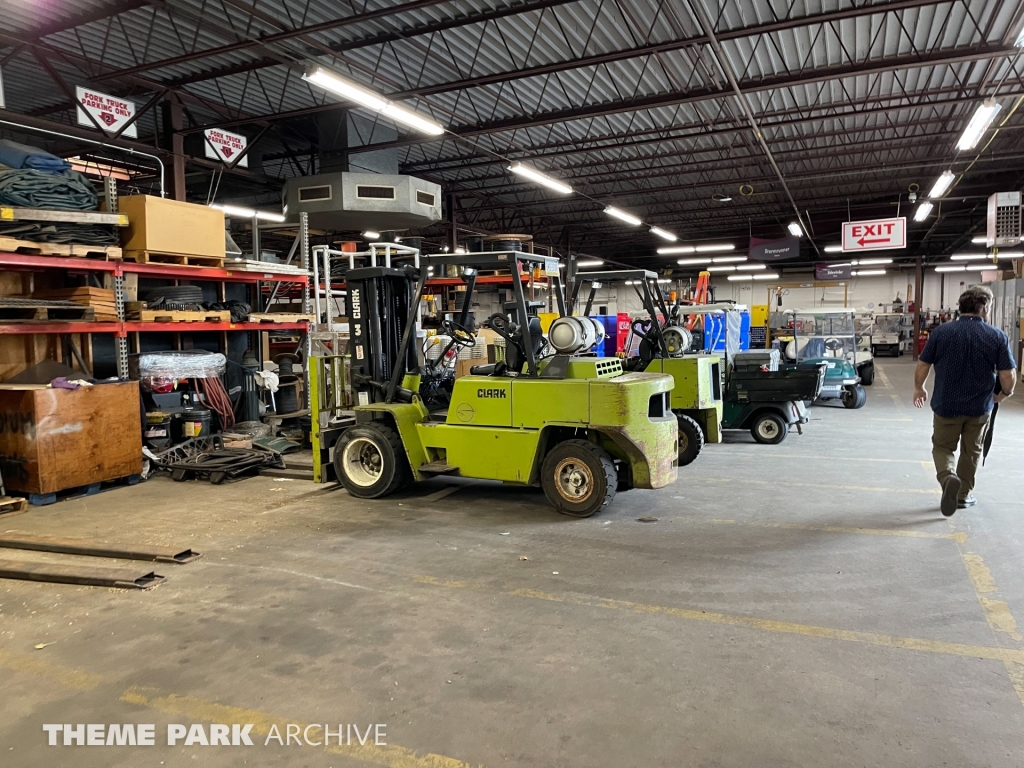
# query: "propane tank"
574,335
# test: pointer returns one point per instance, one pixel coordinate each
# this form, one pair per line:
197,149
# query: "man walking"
969,356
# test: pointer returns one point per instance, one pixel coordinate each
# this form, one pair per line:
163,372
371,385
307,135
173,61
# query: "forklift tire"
867,374
854,397
579,478
691,439
769,428
370,461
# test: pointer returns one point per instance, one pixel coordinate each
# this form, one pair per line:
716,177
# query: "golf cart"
891,334
828,336
767,402
578,426
657,345
864,322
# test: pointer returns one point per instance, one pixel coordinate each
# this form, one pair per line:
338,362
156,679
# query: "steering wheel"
459,334
833,344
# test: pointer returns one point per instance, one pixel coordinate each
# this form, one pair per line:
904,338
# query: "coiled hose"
216,399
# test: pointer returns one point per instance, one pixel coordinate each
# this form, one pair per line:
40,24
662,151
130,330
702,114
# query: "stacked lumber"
100,299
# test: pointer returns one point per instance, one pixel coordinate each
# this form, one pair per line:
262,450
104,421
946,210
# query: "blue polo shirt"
966,354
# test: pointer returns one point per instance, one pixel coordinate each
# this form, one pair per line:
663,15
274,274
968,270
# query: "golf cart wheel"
854,396
370,461
691,439
579,478
867,374
769,428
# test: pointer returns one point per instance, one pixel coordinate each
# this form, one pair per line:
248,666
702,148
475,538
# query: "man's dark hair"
974,299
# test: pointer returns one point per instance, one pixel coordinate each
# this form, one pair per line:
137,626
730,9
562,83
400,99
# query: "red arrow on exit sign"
875,235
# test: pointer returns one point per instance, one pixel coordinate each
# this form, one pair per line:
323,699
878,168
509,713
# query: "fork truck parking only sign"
876,235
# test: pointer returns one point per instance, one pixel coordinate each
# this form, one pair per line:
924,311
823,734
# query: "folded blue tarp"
18,155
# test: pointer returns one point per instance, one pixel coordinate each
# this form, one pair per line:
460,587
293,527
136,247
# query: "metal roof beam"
671,99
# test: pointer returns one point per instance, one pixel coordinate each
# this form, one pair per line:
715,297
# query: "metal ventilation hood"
361,201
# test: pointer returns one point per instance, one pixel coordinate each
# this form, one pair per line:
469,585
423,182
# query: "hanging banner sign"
838,272
110,112
774,250
876,235
226,147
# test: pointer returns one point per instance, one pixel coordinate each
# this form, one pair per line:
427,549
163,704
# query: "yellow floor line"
997,612
196,709
829,486
37,665
768,625
880,373
961,537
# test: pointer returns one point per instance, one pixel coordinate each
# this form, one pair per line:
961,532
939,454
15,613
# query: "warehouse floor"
797,605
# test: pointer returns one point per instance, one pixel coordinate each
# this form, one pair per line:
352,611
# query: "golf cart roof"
821,312
616,275
711,309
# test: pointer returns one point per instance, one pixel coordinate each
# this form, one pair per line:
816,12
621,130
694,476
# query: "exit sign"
876,235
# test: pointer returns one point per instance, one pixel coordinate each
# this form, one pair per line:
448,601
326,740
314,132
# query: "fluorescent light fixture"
750,267
371,235
740,277
721,269
674,249
617,213
794,229
247,213
980,240
715,247
833,249
842,264
1011,254
982,119
664,234
689,262
769,276
922,212
951,269
969,256
968,268
589,263
941,184
545,181
867,262
364,97
664,280
460,249
867,272
728,259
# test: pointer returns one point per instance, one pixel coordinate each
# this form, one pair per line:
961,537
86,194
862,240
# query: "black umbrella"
991,425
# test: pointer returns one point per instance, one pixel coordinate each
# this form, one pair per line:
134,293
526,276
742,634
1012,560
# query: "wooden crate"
160,226
54,439
180,316
14,245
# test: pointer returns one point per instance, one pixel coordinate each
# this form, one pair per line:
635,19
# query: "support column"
918,294
453,227
174,140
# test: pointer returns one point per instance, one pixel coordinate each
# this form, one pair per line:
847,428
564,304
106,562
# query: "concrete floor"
795,605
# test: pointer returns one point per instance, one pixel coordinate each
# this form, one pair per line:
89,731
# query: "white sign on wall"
110,111
875,235
3,104
226,147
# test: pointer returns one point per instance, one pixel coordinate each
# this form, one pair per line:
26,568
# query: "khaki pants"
969,432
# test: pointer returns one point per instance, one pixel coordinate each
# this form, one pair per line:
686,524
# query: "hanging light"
728,259
981,240
922,212
628,218
982,119
371,235
690,262
721,269
969,256
544,180
715,247
589,263
247,213
941,184
833,249
663,234
867,272
795,229
751,267
350,91
770,276
674,249
867,262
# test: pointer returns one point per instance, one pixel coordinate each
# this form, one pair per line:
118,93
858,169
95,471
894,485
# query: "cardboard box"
170,226
462,367
55,439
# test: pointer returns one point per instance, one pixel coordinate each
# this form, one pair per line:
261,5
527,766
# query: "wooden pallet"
43,499
180,316
12,505
14,245
100,299
10,313
181,259
280,317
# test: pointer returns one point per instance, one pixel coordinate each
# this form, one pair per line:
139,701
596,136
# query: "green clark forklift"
549,415
697,377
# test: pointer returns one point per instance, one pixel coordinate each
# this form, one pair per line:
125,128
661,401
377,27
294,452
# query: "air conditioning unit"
1003,219
361,201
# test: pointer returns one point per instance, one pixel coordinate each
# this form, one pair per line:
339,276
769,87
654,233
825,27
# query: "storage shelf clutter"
89,278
